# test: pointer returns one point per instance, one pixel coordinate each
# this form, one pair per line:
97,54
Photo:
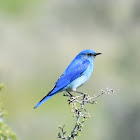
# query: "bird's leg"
79,92
69,93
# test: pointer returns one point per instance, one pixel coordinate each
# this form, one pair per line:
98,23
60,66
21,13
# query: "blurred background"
38,39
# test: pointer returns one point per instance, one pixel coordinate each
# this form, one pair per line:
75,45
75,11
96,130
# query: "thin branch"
81,113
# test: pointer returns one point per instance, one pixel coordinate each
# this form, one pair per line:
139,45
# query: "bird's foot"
68,94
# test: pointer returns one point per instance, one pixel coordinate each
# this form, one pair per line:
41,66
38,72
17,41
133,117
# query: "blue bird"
76,74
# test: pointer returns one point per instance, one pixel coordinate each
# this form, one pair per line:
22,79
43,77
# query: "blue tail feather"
43,100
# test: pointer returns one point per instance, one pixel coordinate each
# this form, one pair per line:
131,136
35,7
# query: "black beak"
97,54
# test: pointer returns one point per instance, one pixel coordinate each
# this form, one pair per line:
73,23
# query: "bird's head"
88,54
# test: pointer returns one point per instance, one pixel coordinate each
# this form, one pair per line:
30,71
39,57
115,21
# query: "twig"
81,113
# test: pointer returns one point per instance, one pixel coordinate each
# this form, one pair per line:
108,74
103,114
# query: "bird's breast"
81,79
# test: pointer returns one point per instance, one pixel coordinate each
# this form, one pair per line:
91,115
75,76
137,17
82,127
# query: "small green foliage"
5,132
1,86
79,112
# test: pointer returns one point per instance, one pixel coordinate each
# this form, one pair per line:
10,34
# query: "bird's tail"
43,100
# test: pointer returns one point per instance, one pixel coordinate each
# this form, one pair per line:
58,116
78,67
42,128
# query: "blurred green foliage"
15,6
5,132
1,86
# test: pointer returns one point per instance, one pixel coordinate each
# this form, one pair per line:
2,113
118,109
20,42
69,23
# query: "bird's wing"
73,71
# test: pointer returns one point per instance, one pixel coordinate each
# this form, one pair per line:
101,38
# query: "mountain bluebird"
76,74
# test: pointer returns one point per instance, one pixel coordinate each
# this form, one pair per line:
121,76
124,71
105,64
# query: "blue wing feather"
73,71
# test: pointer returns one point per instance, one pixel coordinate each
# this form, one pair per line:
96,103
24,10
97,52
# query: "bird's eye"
89,54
